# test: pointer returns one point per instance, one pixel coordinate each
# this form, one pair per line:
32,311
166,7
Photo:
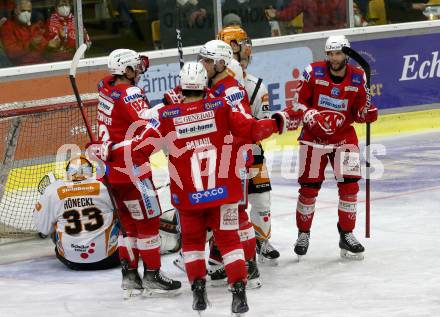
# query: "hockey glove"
288,120
173,96
367,115
100,150
317,125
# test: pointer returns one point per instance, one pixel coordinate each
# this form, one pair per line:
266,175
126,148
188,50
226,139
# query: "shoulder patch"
210,105
319,71
219,90
171,113
356,79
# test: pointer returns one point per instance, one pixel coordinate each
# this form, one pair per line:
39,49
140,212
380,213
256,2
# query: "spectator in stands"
318,15
359,18
231,19
195,18
6,9
61,26
399,11
252,15
25,42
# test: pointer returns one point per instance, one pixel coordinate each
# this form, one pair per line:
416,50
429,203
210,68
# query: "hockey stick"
366,67
78,54
180,47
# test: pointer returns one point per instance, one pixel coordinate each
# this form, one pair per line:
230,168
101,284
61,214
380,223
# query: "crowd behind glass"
41,31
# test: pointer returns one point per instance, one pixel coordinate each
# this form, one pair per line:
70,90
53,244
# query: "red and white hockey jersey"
119,107
81,216
338,103
204,168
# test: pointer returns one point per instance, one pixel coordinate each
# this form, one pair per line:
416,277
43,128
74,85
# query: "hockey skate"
302,244
131,281
217,273
350,247
200,298
155,283
239,301
179,261
254,280
267,254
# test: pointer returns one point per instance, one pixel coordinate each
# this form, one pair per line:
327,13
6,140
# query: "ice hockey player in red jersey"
259,185
333,96
204,172
120,104
216,56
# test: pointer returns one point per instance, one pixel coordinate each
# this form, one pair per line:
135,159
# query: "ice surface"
400,275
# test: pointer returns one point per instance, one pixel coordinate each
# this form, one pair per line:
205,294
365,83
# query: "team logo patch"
219,91
356,79
38,206
319,72
115,94
334,119
171,113
212,105
335,92
332,103
206,196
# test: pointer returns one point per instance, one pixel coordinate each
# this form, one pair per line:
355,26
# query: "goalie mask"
79,168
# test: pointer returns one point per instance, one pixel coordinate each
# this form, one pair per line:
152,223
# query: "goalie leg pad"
347,208
260,214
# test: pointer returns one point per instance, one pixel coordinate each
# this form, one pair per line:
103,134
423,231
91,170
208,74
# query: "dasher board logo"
196,128
332,103
194,117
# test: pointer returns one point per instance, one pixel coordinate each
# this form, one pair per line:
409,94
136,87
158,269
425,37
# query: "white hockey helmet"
122,58
235,70
217,51
79,168
193,76
336,43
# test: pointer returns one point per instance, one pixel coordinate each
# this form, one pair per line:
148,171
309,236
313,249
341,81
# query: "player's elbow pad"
263,129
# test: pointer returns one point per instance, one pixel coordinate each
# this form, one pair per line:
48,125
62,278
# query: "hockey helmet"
217,51
193,76
79,168
120,59
336,43
236,35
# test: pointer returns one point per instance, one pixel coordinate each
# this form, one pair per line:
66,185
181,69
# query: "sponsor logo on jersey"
351,88
133,97
319,72
356,79
194,117
208,195
196,128
175,199
78,190
153,123
306,76
194,144
235,97
335,92
332,103
171,113
78,202
322,82
115,95
211,105
219,90
105,105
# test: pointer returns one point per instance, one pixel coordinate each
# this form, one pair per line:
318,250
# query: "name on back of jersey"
78,203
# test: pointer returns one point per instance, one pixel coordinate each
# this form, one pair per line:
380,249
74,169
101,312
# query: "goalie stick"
72,76
366,67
